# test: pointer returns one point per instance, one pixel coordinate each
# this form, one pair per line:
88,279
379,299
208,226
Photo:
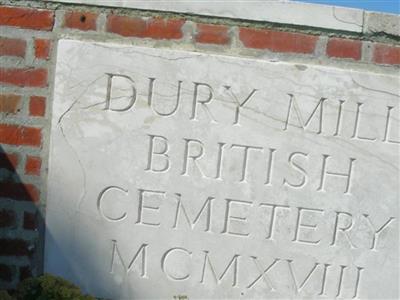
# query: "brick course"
80,20
278,41
12,47
29,18
212,34
156,28
27,96
344,48
10,103
20,135
386,54
24,77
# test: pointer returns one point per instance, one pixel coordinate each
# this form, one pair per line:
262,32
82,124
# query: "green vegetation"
46,287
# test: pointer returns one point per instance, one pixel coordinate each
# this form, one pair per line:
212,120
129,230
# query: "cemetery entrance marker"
179,174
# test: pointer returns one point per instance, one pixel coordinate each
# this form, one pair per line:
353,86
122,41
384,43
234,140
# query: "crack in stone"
343,21
373,90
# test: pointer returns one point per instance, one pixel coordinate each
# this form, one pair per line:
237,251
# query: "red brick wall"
28,38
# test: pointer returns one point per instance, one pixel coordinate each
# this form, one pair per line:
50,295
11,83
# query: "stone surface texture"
177,174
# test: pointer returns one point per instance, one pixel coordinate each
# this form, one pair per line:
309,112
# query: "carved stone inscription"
182,175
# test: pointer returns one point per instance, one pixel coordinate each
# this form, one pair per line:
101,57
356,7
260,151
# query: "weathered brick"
156,28
6,272
19,191
30,221
278,41
12,47
126,26
386,54
8,161
344,48
7,218
24,77
33,165
37,106
20,135
10,103
212,34
42,48
81,20
30,18
14,247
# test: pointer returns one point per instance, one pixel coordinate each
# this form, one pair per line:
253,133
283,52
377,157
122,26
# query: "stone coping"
275,11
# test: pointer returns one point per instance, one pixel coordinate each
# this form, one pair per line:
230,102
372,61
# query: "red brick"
25,272
19,191
6,273
10,103
30,221
277,41
37,106
156,28
80,20
29,18
126,26
12,47
386,54
343,48
7,218
8,161
24,77
33,165
42,48
212,34
14,247
20,135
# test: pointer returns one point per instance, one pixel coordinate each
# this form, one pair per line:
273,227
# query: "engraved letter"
358,280
339,119
219,160
304,125
343,229
245,158
234,262
387,128
163,263
99,202
206,205
324,173
163,142
202,103
297,286
150,98
270,166
141,251
142,206
299,224
238,104
228,217
272,218
298,168
109,88
356,134
193,157
263,274
377,232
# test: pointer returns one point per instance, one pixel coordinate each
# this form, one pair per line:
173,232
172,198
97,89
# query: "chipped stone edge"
283,12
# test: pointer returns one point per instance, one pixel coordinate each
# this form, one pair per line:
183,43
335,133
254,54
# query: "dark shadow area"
21,221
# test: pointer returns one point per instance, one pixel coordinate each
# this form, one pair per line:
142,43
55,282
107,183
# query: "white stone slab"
294,13
162,201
